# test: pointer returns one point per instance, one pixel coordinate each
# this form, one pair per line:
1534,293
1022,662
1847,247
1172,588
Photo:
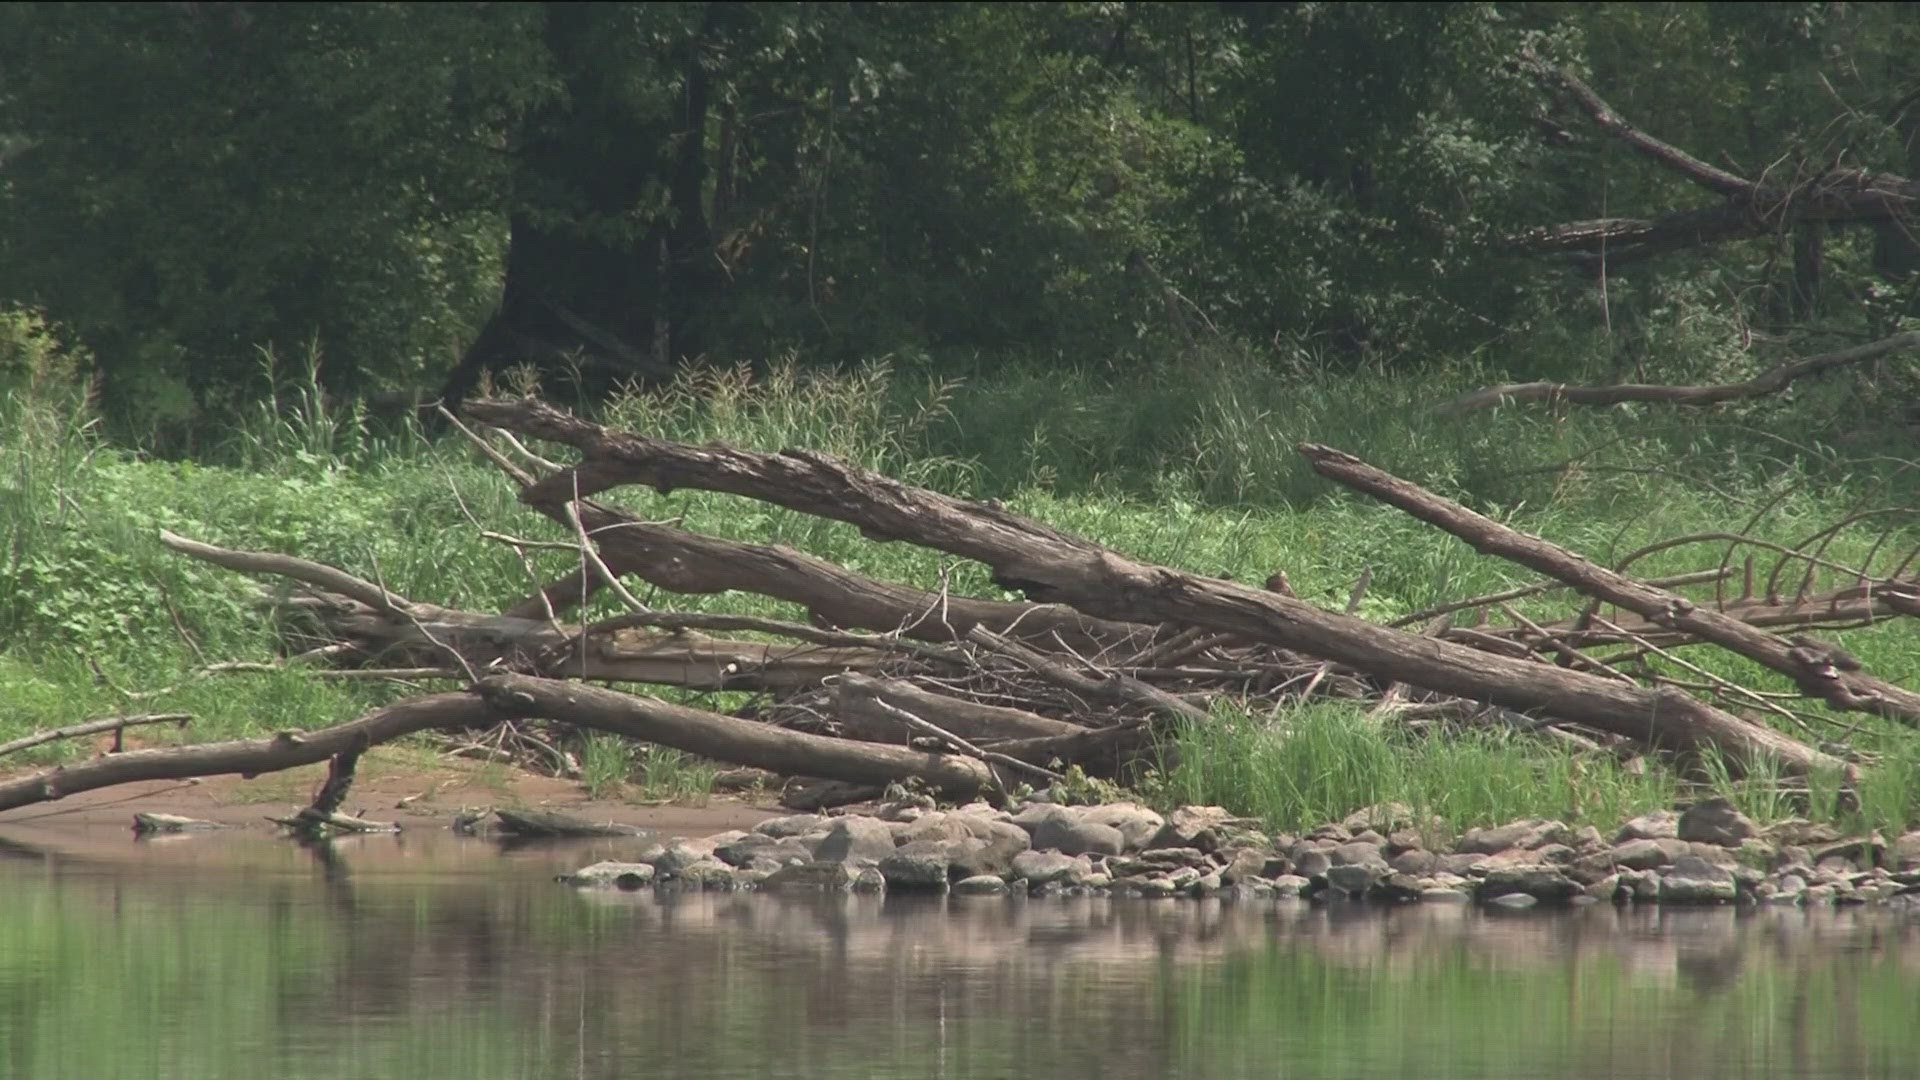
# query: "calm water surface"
428,957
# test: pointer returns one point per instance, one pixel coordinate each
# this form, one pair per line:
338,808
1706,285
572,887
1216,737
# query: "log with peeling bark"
1821,671
722,738
1053,567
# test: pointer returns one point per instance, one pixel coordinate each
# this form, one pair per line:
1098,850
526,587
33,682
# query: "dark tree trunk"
594,275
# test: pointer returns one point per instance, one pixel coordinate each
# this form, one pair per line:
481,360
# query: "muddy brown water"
427,956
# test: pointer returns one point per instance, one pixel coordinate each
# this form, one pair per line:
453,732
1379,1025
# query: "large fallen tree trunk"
1820,671
723,738
1050,566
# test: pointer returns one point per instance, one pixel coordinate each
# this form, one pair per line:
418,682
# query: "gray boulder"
1137,824
1208,828
1355,878
681,854
980,885
1312,863
1526,835
1358,853
1077,836
855,839
612,875
1044,867
1660,825
1693,880
792,825
758,851
921,866
1714,821
992,854
1904,853
1540,882
810,877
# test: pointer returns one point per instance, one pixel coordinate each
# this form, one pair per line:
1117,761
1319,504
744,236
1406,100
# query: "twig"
92,727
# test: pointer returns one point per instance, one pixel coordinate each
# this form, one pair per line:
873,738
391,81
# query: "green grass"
1189,463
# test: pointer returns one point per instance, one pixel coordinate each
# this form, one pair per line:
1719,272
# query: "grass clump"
1303,767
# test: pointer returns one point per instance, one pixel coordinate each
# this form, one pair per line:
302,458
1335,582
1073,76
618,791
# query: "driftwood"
1050,566
552,823
1768,382
967,695
116,724
1820,671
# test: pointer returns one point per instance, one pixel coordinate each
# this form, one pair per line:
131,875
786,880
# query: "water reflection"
426,956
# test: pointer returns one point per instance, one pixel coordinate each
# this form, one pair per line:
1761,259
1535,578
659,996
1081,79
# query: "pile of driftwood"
884,682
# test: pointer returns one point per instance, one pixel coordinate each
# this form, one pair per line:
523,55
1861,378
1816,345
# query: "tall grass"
1189,462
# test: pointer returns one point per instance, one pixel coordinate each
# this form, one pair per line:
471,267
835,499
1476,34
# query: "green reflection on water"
114,971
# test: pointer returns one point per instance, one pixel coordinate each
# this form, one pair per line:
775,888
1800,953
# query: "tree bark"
1051,566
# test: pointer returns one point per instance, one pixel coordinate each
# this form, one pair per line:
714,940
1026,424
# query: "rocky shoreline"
1708,854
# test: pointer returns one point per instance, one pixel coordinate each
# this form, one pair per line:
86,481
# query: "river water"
425,957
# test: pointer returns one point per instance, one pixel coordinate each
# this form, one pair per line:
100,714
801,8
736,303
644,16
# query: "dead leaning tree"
884,682
1803,205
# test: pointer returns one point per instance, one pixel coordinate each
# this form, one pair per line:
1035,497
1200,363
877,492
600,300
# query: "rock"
616,875
1183,877
994,853
1607,888
920,866
1044,867
709,874
855,839
1383,817
1539,882
1416,862
1396,889
1904,853
1290,885
1358,853
1312,863
1442,895
1587,839
1069,836
1355,878
1661,825
1137,824
792,825
1714,821
760,851
1641,854
980,885
1155,887
1516,901
681,854
1458,864
1525,835
1368,836
1205,827
811,877
1693,880
1557,854
1206,885
1799,832
1244,863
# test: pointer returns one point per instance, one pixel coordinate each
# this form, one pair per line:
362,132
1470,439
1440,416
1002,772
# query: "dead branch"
1768,382
1749,209
115,724
1051,566
727,738
1820,671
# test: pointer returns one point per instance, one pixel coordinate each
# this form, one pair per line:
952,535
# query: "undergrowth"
1190,463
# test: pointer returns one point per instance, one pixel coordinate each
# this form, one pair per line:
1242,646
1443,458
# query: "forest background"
1107,261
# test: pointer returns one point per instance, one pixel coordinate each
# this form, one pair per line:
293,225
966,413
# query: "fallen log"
1771,381
727,738
1821,671
497,697
1051,566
